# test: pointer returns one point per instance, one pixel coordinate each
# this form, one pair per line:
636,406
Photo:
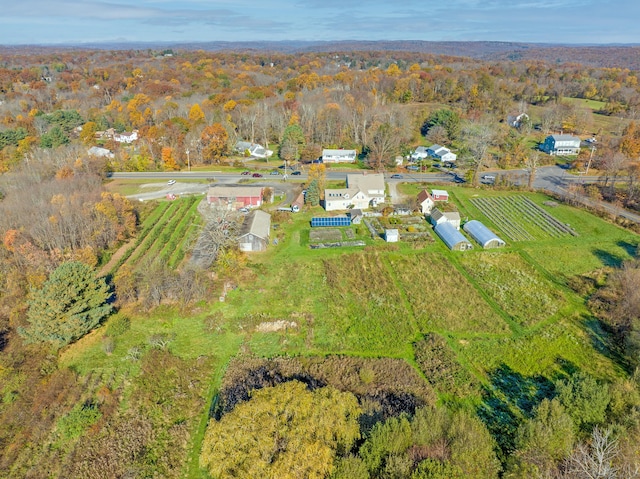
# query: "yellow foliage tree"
168,161
196,115
285,431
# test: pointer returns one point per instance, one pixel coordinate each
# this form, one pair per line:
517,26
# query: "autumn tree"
383,144
478,138
630,144
70,304
196,115
214,142
293,433
168,161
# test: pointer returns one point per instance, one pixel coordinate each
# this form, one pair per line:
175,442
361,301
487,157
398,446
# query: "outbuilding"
391,235
255,232
454,240
451,217
483,235
440,195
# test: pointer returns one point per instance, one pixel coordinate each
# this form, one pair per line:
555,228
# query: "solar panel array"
331,221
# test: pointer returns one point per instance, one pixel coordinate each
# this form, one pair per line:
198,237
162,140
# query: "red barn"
439,195
235,197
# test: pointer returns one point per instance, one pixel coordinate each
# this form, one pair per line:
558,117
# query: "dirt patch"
106,269
273,326
322,235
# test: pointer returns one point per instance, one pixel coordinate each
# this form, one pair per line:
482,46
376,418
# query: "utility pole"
593,148
188,162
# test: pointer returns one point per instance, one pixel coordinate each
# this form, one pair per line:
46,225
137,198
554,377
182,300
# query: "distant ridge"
619,56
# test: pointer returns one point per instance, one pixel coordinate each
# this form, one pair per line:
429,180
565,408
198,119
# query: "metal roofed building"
454,240
483,235
451,217
339,156
255,231
561,145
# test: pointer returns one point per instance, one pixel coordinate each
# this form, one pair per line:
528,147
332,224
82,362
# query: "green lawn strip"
443,298
402,292
514,285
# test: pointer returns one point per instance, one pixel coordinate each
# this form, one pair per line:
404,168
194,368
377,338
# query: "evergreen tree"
70,304
313,194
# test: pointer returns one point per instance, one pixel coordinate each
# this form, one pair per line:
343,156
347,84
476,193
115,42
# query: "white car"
171,182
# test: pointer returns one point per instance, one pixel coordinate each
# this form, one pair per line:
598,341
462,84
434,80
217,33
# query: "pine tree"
70,304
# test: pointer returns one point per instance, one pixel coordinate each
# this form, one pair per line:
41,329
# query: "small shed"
255,231
391,235
356,216
483,235
440,195
454,240
451,217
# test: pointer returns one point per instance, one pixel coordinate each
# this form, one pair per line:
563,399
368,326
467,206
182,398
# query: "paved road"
550,178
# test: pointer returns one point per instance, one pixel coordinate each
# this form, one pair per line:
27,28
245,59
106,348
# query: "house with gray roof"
255,150
362,192
339,156
451,217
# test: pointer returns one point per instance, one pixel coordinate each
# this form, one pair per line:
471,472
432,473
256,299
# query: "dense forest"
112,366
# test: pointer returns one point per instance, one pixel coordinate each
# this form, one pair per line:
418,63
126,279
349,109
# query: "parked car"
274,173
413,168
256,175
396,177
243,210
489,178
296,173
245,173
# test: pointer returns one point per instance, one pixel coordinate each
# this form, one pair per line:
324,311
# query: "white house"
111,134
255,150
451,217
362,192
255,232
441,153
100,152
516,120
425,202
561,145
338,156
420,153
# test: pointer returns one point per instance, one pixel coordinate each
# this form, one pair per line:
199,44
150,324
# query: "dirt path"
106,269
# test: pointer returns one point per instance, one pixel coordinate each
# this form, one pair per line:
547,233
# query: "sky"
537,21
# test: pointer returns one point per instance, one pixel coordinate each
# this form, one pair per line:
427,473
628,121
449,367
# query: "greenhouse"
483,235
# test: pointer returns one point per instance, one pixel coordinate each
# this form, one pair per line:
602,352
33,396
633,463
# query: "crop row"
521,219
151,222
178,234
159,236
502,220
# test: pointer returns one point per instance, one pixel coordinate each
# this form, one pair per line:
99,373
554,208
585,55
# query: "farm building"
255,232
483,235
451,217
338,156
425,202
235,197
454,240
440,195
391,235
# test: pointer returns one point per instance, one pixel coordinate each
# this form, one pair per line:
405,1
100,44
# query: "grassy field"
498,314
